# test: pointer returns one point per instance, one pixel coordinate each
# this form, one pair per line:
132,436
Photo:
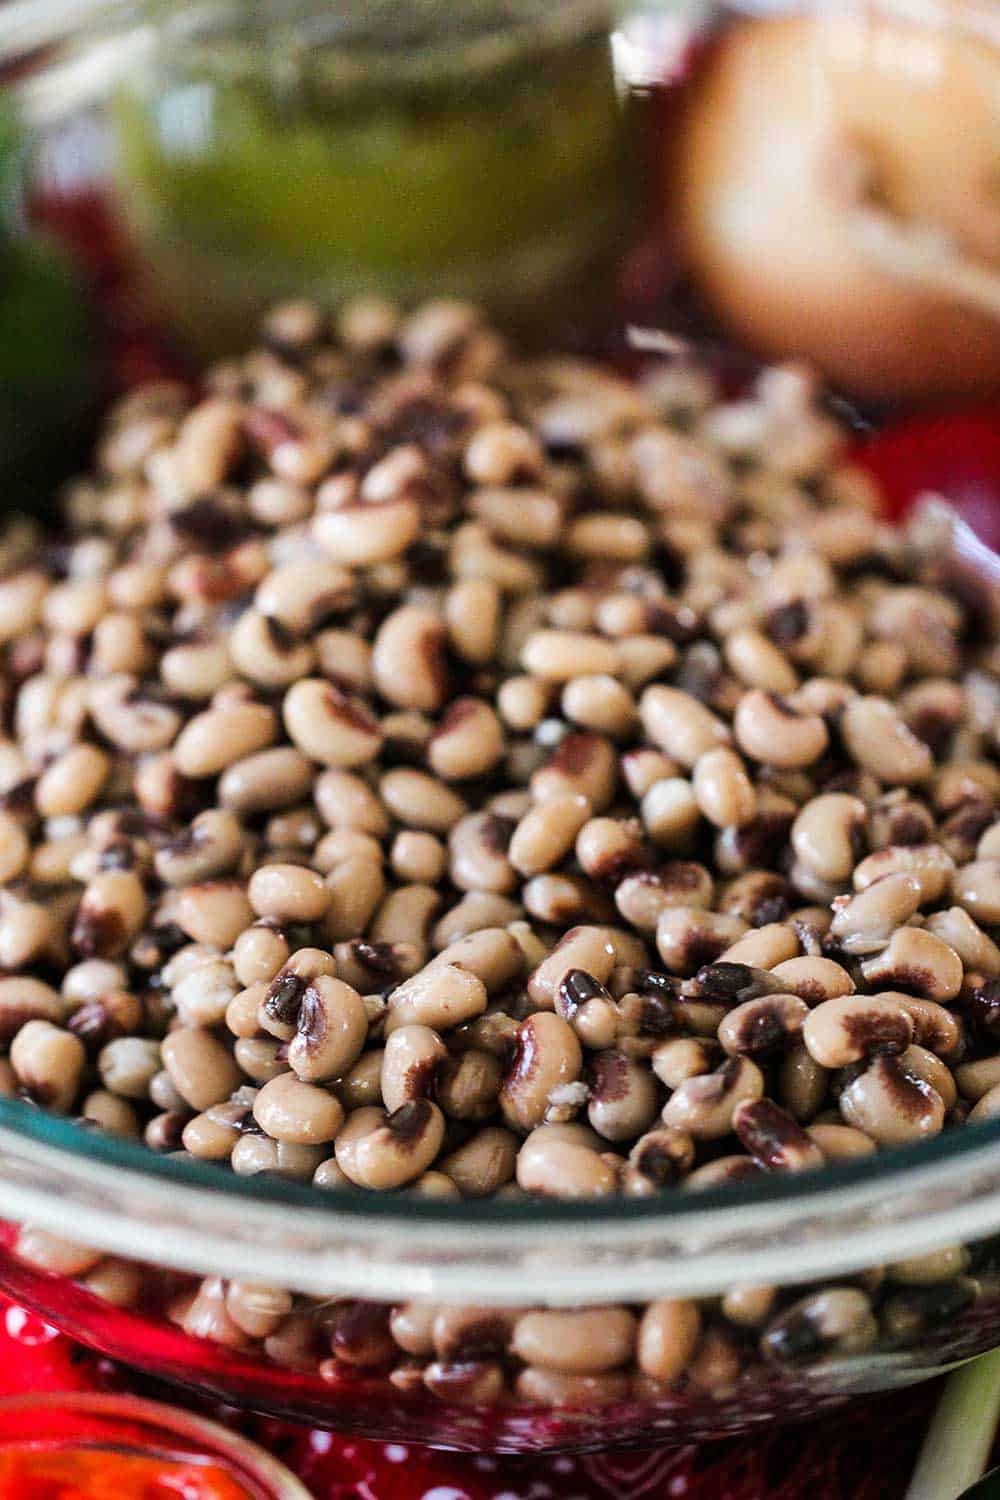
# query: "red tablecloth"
864,1453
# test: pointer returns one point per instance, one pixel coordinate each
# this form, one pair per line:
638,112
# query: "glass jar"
298,148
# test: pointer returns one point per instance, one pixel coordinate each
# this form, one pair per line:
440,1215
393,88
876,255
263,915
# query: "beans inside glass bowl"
430,770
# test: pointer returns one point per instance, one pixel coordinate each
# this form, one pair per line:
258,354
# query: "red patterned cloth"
865,1452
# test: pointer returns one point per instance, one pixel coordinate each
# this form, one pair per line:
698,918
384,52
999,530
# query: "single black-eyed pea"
623,1096
723,790
768,729
880,741
564,1161
440,997
892,1104
978,952
383,1151
582,764
867,922
48,1062
686,938
410,1062
828,835
484,1164
774,1139
579,1341
917,963
852,1027
546,833
764,1026
547,1055
841,1142
930,865
681,725
837,1320
704,1105
643,896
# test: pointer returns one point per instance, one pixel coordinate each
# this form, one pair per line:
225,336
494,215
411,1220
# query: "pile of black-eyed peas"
429,770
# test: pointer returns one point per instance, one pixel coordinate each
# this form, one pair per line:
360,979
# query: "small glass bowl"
126,1424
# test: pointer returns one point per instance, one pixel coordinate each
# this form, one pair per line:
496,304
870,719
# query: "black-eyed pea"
524,701
757,661
14,848
667,1338
599,702
547,1056
49,1063
763,947
383,1151
214,912
265,781
748,1305
867,922
705,1104
491,953
643,768
546,832
418,857
408,660
802,1083
623,1096
116,1281
680,1058
484,1164
201,1069
770,730
472,617
410,1062
475,911
253,1154
128,1065
932,1269
774,1139
301,1114
976,888
642,897
111,911
288,893
828,835
418,800
813,978
345,801
23,999
582,764
202,1314
892,1104
564,1161
986,1107
929,864
978,952
658,1159
917,963
879,740
110,1113
468,1085
331,1029
342,844
50,1252
586,948
840,1142
214,739
977,1078
934,1027
478,854
441,996
72,782
965,780
584,1341
687,938
204,993
836,1320
377,531
258,954
29,930
988,846
670,813
412,1326
213,1134
356,889
561,655
608,848
328,725
927,1065
680,724
723,791
852,1027
259,1310
260,1058
761,1027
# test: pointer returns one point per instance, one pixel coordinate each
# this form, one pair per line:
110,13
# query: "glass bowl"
391,1317
120,1425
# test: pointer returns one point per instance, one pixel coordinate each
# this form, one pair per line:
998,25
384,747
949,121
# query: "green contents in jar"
334,160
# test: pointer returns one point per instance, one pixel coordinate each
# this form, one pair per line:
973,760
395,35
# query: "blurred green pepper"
50,364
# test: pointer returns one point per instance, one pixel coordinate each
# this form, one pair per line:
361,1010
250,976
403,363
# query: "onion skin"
764,226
